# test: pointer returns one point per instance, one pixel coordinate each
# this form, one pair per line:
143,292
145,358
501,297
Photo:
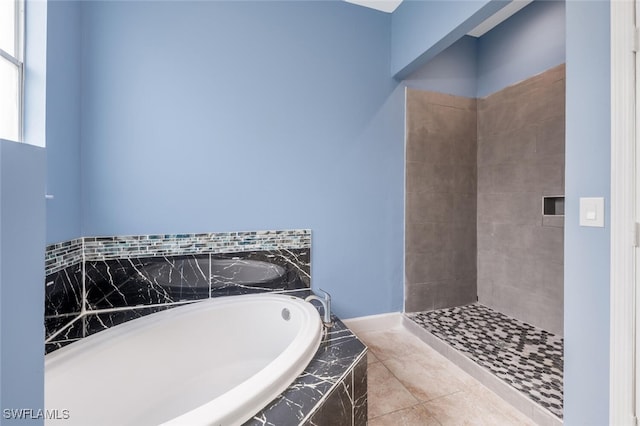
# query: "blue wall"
423,29
453,71
22,244
586,279
222,116
526,44
530,42
22,237
63,120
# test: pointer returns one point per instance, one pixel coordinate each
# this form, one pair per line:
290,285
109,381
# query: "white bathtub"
215,362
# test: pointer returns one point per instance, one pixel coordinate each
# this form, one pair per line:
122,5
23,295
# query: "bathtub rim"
235,411
228,408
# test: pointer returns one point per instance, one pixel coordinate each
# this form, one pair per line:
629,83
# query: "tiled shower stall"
484,260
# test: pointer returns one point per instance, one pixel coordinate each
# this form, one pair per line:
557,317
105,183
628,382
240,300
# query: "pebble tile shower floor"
527,358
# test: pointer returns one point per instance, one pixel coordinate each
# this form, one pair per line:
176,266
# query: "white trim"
387,6
17,59
19,30
405,291
379,322
10,58
20,54
621,383
497,18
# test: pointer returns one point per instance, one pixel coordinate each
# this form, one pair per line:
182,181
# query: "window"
11,69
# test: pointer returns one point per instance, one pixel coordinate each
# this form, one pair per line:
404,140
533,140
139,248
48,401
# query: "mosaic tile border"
106,248
527,358
62,255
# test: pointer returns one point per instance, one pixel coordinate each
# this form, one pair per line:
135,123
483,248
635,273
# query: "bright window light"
9,101
7,26
11,69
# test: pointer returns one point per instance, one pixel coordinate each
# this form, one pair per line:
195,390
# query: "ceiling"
504,13
383,5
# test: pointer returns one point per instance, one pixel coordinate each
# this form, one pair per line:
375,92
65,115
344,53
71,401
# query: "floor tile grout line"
467,390
420,403
399,381
394,411
412,394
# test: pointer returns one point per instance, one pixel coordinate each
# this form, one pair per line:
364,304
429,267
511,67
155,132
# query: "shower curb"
516,399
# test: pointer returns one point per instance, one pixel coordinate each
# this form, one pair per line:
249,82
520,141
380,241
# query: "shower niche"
553,206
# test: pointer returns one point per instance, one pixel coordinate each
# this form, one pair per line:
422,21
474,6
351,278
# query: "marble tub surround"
169,279
332,390
145,281
96,283
64,291
123,279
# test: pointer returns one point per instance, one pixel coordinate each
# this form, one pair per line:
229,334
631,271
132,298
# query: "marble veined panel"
146,281
63,291
328,372
260,271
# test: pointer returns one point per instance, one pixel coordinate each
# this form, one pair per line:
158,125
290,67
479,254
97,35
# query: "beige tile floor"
412,384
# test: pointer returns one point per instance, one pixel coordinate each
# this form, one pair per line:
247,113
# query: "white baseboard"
374,322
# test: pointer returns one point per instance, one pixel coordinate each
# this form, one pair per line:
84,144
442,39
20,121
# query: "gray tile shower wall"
520,160
440,221
476,173
95,283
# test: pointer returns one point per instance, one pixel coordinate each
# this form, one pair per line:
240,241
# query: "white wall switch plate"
592,211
